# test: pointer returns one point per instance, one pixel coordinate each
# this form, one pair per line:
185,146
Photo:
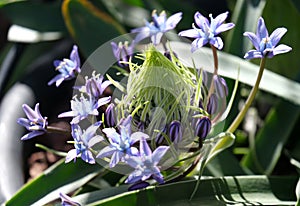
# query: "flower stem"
52,129
234,125
216,65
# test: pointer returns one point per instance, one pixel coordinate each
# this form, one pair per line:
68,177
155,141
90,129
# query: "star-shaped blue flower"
264,44
146,163
68,68
84,107
121,144
207,32
35,123
159,25
83,141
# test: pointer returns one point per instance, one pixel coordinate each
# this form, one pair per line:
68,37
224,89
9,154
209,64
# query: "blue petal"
87,156
106,152
254,39
159,153
112,134
216,42
198,43
201,21
173,20
32,134
144,148
261,31
282,48
72,154
253,54
191,33
277,35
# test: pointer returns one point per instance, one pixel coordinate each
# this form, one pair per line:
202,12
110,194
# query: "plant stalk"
239,118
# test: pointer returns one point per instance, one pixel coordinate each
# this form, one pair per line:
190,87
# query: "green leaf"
229,66
89,25
227,139
286,16
272,137
35,15
59,178
4,2
239,190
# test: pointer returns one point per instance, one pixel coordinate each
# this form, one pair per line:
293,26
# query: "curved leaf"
239,190
59,178
35,15
88,25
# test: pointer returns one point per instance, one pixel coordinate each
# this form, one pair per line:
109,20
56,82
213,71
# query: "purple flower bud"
175,131
160,137
220,86
212,105
203,127
110,118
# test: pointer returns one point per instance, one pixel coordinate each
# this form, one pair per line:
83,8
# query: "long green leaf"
35,15
89,25
59,178
235,190
272,137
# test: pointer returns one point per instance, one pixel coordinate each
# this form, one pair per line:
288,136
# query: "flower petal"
201,21
216,42
253,54
144,148
282,48
88,157
253,38
224,27
215,23
137,136
30,113
112,134
72,154
192,33
159,153
173,20
262,31
32,134
277,35
198,43
106,152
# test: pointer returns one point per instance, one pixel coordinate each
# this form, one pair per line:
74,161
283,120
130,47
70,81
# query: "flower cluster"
167,111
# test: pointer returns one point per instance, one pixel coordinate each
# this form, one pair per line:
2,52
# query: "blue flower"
159,25
264,44
35,122
84,107
67,201
123,51
146,164
83,141
120,144
68,68
207,32
94,86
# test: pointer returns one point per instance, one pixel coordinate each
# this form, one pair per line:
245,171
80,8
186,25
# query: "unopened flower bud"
220,86
203,127
110,120
175,131
160,137
212,105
